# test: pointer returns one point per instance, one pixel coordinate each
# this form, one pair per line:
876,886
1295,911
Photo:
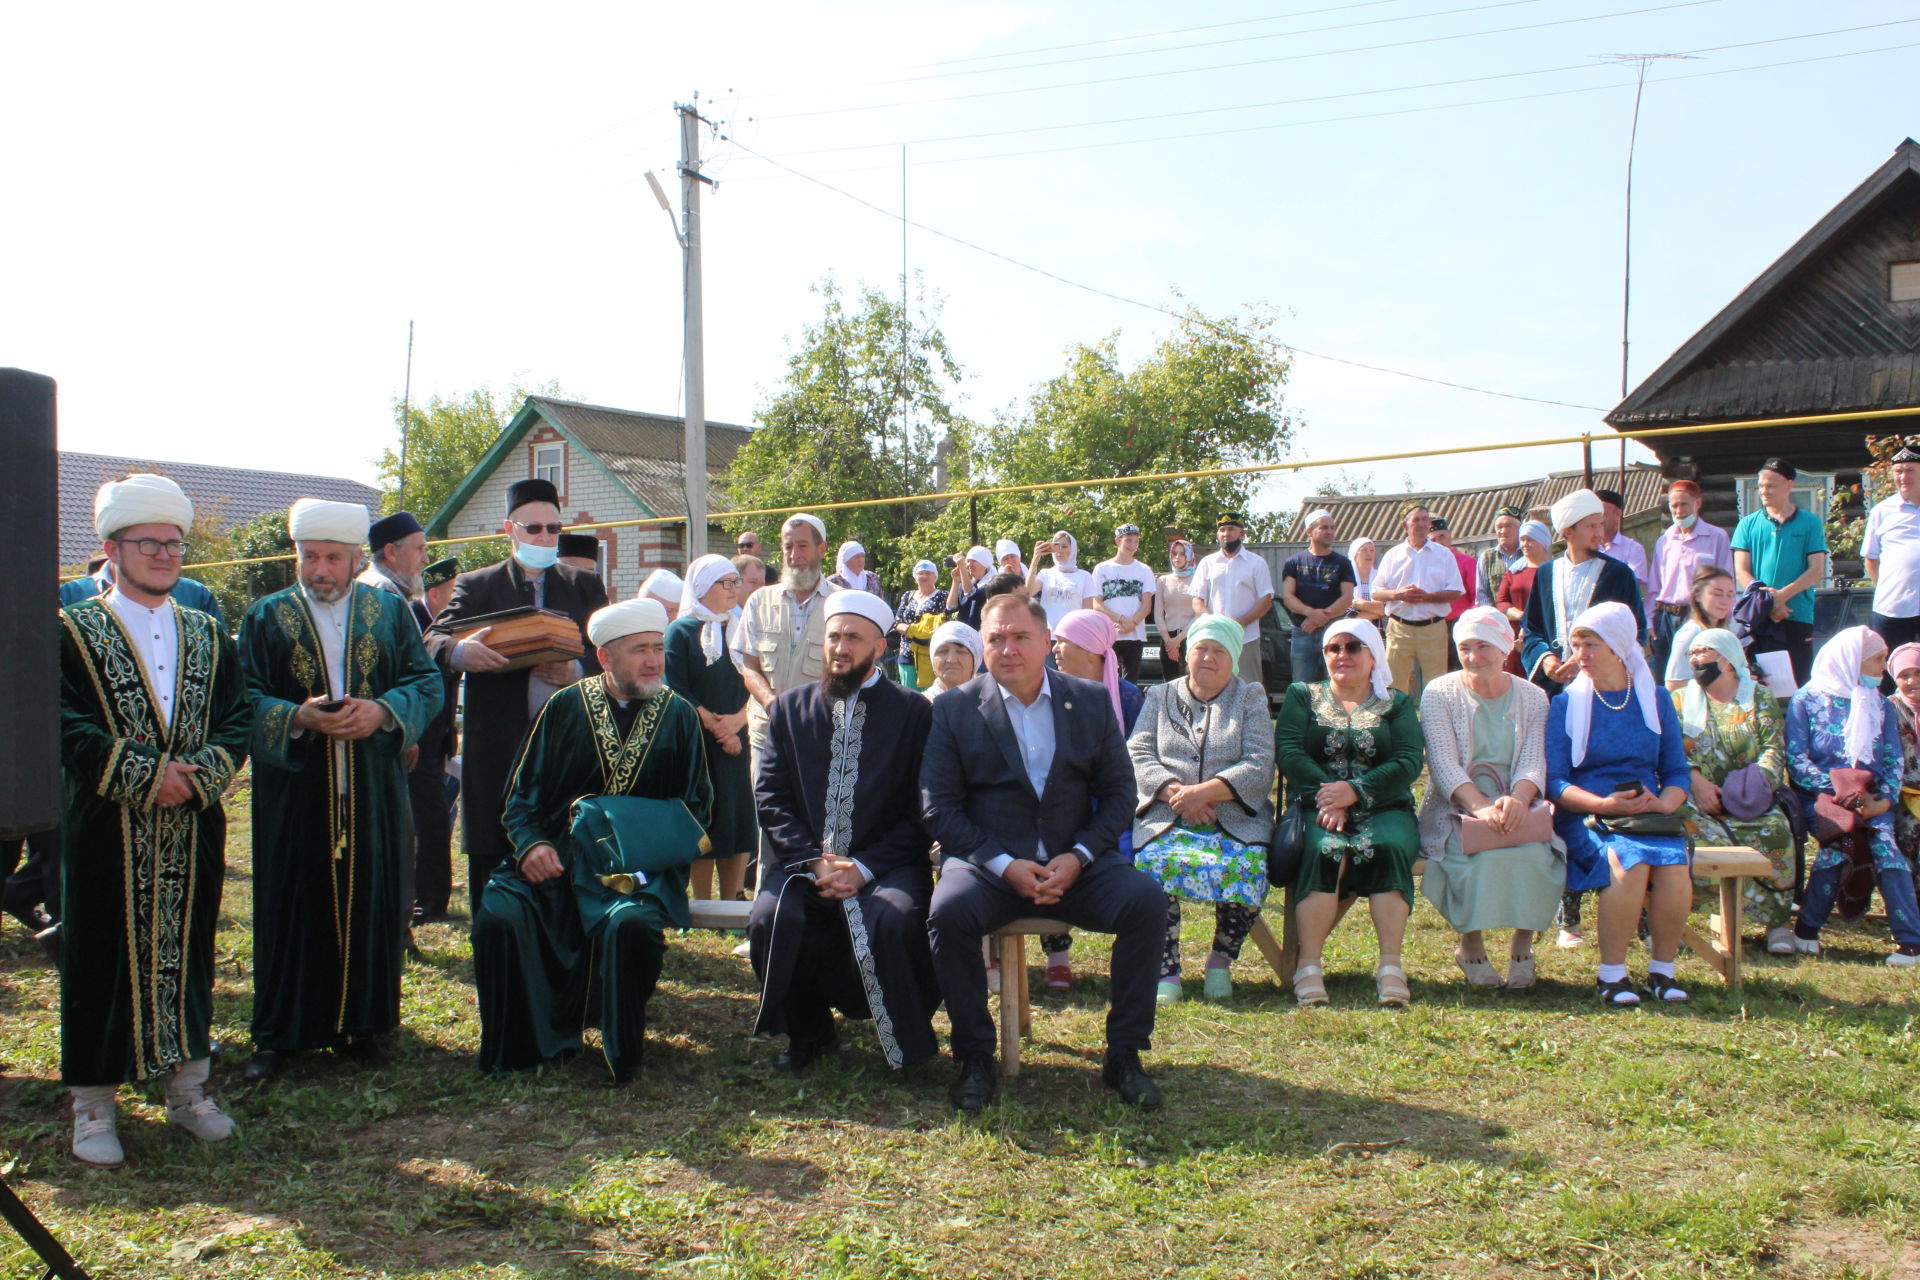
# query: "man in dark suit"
1027,786
501,703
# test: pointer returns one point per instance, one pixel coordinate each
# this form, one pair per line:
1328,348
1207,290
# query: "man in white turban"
123,505
841,918
560,913
665,586
342,686
155,724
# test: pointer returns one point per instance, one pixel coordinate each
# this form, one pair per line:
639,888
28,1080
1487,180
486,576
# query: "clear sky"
219,219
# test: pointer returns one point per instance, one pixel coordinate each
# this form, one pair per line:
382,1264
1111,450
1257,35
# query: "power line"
1256,62
892,215
1328,97
1318,120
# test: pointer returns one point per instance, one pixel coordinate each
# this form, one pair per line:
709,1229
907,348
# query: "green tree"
1210,396
864,408
445,440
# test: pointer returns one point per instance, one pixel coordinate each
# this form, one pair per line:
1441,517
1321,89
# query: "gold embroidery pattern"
364,653
620,762
305,661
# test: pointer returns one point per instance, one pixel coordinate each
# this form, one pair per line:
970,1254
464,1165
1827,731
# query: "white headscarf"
982,557
1614,624
1538,531
961,634
701,575
1693,703
1353,551
1008,547
1073,557
1836,673
848,550
1370,636
1484,623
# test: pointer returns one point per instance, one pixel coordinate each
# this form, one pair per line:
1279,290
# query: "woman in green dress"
1353,747
700,670
1729,722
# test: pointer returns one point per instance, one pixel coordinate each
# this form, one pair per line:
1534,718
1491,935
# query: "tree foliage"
865,405
445,439
1210,396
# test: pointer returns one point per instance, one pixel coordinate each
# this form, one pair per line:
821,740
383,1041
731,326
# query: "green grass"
1479,1133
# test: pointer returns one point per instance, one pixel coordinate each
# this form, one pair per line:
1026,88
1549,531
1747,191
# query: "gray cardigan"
1178,738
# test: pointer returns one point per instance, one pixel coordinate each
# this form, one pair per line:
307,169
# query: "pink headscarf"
1907,655
1095,633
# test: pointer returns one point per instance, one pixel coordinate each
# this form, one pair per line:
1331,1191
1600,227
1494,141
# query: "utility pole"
692,322
1642,61
406,417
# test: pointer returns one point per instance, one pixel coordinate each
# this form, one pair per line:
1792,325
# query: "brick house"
609,465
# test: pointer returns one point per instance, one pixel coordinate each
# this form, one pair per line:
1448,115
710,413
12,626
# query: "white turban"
663,584
819,525
865,604
1574,508
981,557
629,617
961,634
1539,533
141,498
1314,517
312,520
1618,630
1483,623
1370,636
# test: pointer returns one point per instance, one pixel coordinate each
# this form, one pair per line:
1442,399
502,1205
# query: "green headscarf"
1220,629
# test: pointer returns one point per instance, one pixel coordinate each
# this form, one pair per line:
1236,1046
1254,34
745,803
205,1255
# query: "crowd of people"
894,780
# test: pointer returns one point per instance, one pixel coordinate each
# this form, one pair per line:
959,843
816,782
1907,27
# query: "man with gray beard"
341,687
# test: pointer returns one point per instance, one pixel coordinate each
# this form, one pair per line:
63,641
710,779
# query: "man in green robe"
341,686
154,724
552,949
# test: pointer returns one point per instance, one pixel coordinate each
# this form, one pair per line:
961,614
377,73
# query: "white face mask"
1686,522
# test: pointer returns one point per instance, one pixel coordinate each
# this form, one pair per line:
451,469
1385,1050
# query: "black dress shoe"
1126,1077
803,1053
973,1089
370,1051
49,940
263,1066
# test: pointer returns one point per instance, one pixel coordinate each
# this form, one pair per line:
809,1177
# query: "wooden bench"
709,913
1016,1006
1729,864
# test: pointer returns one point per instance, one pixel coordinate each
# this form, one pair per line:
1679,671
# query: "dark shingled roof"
645,451
237,494
1470,512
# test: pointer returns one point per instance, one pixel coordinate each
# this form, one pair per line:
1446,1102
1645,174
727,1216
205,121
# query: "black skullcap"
1611,497
1231,517
532,489
584,545
1907,454
392,529
1779,466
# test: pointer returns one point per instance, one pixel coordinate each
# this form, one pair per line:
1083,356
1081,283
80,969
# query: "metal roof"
239,495
1470,512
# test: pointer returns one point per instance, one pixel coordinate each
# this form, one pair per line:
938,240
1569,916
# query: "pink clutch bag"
1535,828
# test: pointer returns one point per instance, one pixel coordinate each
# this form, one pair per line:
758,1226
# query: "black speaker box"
29,630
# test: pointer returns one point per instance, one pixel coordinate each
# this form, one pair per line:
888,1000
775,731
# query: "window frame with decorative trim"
557,467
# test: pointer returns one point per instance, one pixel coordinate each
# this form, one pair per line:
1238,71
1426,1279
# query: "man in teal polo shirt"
1783,546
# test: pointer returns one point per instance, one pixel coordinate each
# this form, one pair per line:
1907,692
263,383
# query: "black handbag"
1289,844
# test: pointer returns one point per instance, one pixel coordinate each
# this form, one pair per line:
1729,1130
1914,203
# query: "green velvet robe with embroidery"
141,890
540,977
328,922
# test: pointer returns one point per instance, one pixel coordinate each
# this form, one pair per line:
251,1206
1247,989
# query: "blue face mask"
534,557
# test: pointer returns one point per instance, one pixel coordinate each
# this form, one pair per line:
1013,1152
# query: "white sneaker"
744,949
1806,946
1780,942
1899,961
189,1106
1570,940
96,1140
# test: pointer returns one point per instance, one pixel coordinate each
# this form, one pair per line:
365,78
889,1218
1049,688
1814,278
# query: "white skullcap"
981,557
629,617
663,584
1315,516
1483,623
866,604
312,520
1004,548
141,498
819,525
1574,508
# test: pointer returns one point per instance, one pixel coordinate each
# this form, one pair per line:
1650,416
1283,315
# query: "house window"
1903,282
549,464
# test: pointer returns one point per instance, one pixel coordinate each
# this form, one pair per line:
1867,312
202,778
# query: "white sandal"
1481,972
1391,981
1309,985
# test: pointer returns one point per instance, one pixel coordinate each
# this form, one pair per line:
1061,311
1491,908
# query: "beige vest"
785,665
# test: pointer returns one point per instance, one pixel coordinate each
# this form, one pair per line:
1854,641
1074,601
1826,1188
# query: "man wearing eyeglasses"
155,723
189,592
501,703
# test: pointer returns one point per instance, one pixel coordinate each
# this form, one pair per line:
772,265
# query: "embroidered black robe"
328,841
142,883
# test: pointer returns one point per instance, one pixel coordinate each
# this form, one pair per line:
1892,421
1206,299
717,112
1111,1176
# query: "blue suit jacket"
977,799
1616,584
194,595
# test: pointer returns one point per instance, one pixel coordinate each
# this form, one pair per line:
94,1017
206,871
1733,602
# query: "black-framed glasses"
173,547
537,529
1349,647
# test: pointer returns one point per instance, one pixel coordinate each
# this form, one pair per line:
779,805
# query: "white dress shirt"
1033,731
156,642
1430,567
1231,585
1893,539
